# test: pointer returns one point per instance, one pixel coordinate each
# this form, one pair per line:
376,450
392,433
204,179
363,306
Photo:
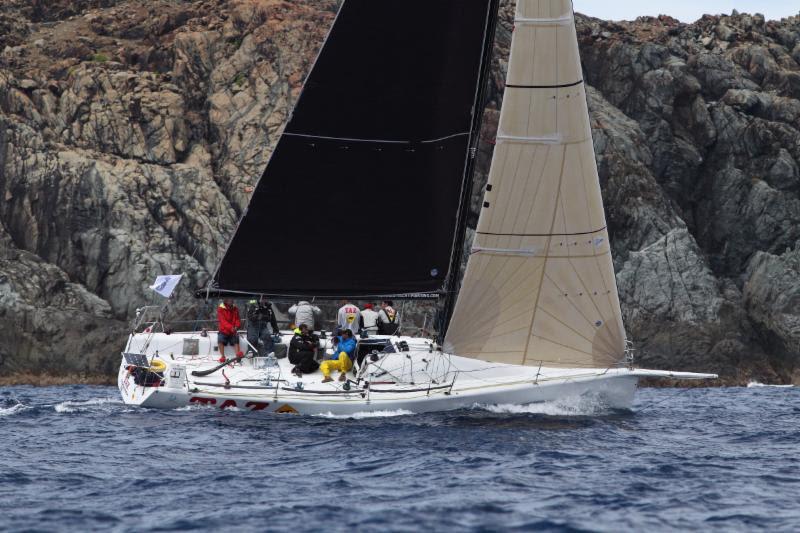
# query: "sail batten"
539,287
557,21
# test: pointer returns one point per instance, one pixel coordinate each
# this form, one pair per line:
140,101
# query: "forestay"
363,192
539,286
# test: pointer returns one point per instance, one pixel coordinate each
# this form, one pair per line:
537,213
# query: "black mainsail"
365,193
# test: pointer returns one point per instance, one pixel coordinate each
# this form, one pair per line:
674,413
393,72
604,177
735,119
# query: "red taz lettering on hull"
256,406
204,401
228,403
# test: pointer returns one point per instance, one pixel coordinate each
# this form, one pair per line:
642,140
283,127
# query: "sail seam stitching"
608,297
563,346
544,266
509,193
575,331
573,304
509,279
549,239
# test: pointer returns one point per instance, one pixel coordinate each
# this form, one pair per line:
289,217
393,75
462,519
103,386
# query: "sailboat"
386,129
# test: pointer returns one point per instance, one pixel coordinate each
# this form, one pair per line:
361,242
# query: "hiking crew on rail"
263,333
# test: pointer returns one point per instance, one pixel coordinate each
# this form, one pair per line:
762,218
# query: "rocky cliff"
133,131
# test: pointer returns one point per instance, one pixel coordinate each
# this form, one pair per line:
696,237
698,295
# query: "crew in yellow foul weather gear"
342,358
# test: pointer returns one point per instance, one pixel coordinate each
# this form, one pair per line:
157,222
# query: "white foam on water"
196,407
579,406
16,408
753,384
74,407
209,407
368,414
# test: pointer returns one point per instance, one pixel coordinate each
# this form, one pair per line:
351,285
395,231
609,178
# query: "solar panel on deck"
136,359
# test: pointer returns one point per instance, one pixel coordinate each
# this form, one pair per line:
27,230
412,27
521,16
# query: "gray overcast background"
684,10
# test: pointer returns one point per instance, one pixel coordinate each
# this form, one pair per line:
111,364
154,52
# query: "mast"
539,286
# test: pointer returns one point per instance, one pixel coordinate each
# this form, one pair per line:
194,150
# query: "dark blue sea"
76,459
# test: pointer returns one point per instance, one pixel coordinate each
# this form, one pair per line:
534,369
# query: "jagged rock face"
133,131
772,296
715,105
131,134
38,301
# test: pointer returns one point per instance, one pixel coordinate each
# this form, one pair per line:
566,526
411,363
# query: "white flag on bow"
164,285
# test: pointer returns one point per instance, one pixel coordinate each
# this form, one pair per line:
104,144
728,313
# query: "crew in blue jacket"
342,358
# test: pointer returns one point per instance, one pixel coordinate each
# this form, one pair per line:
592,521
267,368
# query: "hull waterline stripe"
562,86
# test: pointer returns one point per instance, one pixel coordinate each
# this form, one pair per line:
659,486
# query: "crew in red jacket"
229,324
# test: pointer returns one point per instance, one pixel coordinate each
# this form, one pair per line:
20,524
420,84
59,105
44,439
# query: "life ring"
157,365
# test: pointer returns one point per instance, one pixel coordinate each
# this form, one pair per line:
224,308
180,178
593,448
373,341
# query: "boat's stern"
163,385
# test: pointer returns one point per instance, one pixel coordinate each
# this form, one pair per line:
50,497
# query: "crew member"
342,359
305,313
229,324
387,319
303,350
261,326
369,320
349,317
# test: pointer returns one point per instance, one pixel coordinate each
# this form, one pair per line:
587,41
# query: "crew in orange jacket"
229,324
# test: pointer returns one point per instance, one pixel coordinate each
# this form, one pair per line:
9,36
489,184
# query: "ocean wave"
755,384
76,406
16,408
368,414
705,452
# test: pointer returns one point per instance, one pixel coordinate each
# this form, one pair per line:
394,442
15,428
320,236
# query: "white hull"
416,381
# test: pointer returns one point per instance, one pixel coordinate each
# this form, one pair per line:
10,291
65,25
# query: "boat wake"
575,406
77,407
368,414
756,384
14,409
197,407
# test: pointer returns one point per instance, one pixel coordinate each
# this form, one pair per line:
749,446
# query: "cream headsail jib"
539,286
